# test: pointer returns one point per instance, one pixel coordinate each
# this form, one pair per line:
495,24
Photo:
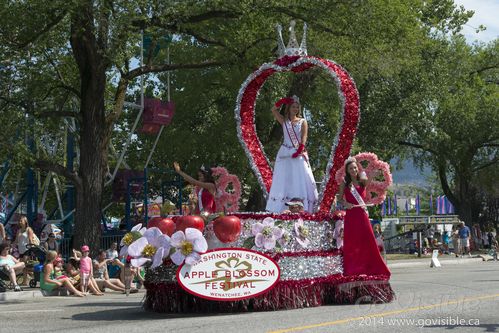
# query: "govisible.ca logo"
229,274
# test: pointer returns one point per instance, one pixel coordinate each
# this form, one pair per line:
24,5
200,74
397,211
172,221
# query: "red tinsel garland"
245,113
335,289
319,216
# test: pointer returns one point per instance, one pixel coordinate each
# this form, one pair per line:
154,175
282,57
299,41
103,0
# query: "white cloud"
486,13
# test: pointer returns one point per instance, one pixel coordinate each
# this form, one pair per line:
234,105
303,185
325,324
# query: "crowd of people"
79,274
459,241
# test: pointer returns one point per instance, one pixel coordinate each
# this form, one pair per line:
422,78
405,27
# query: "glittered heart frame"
246,129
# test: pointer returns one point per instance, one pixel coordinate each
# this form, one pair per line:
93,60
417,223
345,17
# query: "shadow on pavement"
137,313
478,328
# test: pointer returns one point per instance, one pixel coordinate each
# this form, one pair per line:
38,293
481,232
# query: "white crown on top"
293,49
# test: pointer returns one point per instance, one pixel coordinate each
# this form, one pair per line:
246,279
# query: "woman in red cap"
292,176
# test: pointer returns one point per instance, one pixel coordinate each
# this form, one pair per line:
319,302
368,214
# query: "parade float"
250,261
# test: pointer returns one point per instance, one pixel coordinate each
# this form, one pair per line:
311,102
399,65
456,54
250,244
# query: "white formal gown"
292,177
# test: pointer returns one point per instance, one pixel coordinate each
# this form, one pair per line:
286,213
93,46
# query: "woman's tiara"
351,159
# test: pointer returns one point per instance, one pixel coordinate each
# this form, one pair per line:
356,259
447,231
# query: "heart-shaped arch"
246,130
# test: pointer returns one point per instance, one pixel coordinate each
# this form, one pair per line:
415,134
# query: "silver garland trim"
320,236
292,268
312,60
299,268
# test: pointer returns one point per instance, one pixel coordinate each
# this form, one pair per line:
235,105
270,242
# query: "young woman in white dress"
292,177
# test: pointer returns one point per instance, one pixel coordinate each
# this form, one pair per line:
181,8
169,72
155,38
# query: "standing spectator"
485,240
464,239
86,269
3,236
112,252
25,236
379,239
430,232
455,240
490,238
445,241
476,233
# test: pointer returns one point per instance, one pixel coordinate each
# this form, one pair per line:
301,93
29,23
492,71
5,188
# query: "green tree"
446,111
75,60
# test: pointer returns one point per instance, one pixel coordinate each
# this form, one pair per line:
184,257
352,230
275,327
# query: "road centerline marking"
381,314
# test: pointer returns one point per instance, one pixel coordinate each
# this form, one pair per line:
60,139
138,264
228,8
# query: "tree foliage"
76,61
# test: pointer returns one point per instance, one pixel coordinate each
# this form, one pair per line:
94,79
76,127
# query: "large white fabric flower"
188,246
134,234
266,234
302,233
154,245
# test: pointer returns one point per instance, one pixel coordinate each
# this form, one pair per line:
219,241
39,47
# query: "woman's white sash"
360,201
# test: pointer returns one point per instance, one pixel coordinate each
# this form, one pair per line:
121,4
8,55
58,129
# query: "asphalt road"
455,298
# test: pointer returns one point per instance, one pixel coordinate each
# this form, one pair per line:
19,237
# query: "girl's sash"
294,138
359,199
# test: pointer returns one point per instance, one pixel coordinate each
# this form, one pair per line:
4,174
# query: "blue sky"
486,13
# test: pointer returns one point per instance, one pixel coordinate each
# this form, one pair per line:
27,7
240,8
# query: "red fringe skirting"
335,289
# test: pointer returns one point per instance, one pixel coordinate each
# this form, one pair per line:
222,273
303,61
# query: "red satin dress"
360,251
207,202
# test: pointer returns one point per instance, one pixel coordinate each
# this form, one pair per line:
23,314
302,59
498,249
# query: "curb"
20,295
427,262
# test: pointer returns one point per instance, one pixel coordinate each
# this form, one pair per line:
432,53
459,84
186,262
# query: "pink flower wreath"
376,190
228,201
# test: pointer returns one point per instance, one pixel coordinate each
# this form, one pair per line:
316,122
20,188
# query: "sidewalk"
30,293
425,261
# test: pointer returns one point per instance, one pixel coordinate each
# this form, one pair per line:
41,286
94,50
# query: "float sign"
229,274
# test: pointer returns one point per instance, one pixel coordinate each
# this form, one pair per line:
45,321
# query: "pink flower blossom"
266,234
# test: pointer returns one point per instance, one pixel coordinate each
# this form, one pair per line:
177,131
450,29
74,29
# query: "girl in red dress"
205,184
360,251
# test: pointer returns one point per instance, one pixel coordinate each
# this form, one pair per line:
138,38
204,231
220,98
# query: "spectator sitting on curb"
136,272
10,265
72,270
48,281
102,277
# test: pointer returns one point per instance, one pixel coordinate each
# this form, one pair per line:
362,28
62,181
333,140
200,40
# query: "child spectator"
86,269
48,281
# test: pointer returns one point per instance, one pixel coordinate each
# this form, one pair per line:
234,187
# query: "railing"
105,243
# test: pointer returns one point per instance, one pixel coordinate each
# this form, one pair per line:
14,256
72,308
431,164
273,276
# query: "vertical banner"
431,204
451,208
406,206
418,208
383,208
389,206
395,205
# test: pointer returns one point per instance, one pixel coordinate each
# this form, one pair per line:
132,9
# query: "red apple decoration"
190,221
166,225
227,228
